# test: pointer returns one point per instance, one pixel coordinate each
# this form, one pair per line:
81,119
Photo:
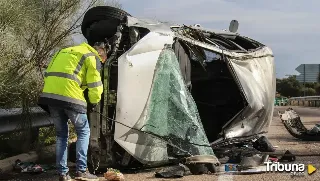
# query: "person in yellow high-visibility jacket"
70,72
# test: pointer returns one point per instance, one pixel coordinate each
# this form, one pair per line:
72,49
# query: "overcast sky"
289,27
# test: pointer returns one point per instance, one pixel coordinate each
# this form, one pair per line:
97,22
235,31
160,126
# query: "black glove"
92,107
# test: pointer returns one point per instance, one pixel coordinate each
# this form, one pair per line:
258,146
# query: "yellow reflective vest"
69,73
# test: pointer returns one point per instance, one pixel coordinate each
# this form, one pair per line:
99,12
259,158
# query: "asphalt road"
277,135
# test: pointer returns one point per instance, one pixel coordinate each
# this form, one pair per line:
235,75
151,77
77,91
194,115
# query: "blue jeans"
81,124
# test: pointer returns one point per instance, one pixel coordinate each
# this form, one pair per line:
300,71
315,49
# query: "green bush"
308,91
47,135
290,87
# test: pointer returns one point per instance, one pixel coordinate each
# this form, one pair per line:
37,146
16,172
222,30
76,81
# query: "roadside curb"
6,165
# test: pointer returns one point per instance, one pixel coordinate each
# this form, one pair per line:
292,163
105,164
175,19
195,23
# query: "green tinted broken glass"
171,111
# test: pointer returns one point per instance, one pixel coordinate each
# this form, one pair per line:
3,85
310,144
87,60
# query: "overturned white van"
173,91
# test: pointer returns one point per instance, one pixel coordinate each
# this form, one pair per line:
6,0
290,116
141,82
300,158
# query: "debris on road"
6,165
177,171
292,122
287,157
263,144
113,175
230,167
273,159
31,167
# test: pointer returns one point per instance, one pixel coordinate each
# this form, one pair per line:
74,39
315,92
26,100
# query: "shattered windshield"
172,112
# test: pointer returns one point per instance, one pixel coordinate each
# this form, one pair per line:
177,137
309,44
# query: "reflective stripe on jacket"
69,73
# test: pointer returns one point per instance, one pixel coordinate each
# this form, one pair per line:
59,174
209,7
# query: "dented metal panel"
135,76
257,80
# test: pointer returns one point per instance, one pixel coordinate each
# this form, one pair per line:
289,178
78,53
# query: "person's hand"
92,107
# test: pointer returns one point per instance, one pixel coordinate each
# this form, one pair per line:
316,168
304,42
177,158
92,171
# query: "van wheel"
101,22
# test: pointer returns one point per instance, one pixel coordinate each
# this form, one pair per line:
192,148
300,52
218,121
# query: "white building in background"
308,72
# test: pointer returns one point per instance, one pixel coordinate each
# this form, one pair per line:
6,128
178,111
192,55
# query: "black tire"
106,20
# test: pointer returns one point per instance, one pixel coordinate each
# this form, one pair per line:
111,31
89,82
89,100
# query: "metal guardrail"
12,119
308,101
305,98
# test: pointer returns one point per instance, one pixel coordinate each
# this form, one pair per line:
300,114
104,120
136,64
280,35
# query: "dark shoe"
64,178
86,176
